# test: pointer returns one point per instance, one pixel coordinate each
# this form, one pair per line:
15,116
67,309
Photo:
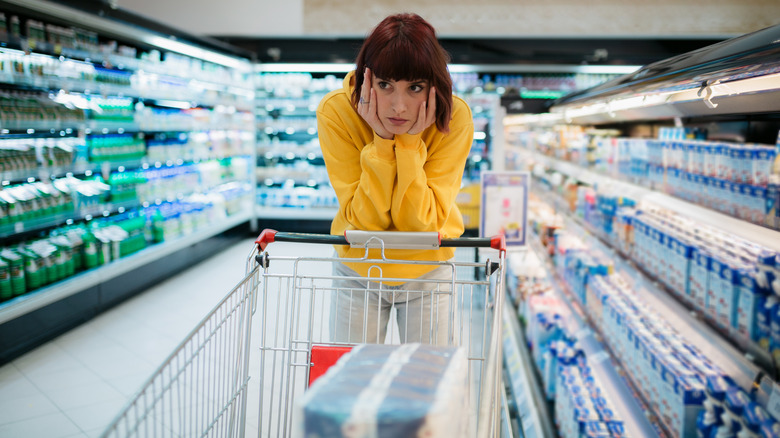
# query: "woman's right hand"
367,107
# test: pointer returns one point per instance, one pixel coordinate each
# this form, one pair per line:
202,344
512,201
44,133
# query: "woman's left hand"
426,115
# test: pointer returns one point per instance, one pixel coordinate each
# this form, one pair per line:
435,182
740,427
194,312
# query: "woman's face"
399,102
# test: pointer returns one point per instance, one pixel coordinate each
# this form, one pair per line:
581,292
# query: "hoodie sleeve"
361,167
429,173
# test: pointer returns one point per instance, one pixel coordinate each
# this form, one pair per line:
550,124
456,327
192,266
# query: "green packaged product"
74,238
16,271
6,293
90,251
66,249
34,270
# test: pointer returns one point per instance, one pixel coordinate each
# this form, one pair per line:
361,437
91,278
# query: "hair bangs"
400,60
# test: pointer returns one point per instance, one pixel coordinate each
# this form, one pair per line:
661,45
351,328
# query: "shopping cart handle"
496,242
269,236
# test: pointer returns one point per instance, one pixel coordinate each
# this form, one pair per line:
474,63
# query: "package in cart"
408,390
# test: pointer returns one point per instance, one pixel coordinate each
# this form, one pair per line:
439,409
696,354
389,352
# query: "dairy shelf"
750,366
632,410
740,228
535,421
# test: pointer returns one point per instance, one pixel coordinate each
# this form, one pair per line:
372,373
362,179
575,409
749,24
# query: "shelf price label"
773,405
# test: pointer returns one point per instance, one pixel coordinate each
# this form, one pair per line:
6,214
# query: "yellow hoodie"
408,183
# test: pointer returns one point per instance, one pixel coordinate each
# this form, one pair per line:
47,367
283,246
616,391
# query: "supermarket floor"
74,385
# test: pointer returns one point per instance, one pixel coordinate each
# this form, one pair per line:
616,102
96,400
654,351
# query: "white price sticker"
773,406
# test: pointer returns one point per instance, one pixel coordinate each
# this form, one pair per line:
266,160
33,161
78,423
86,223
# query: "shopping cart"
204,387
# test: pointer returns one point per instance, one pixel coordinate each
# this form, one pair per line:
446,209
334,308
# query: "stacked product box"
734,178
666,369
547,320
726,278
582,406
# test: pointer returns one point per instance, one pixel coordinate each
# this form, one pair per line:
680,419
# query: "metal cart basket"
204,388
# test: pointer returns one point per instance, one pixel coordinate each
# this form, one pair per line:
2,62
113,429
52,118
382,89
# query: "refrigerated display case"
122,144
665,239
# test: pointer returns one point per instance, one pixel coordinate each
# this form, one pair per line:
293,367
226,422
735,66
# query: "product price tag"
773,405
18,227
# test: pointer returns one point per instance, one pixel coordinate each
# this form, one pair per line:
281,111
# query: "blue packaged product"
765,269
765,321
758,211
772,208
698,283
618,429
754,416
726,294
750,299
770,429
736,401
689,396
774,333
595,429
713,285
424,389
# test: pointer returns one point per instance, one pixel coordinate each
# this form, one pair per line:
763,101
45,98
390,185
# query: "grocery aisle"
75,384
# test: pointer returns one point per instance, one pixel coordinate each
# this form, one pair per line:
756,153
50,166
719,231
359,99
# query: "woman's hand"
427,114
367,107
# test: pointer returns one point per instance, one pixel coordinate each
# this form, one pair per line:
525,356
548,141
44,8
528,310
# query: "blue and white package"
750,299
403,390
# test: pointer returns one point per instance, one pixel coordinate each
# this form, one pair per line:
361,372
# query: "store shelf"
736,76
152,80
528,397
293,213
746,230
630,409
58,291
751,367
40,224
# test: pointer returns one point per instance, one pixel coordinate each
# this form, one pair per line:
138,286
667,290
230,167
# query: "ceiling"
519,51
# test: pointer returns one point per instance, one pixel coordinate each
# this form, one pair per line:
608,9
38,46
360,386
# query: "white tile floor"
74,385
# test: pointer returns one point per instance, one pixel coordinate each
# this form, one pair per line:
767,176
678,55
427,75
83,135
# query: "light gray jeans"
360,310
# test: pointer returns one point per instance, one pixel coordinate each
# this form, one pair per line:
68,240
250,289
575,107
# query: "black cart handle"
383,239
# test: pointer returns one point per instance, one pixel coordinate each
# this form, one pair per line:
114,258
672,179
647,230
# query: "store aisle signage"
504,206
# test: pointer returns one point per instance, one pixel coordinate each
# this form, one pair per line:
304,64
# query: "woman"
395,143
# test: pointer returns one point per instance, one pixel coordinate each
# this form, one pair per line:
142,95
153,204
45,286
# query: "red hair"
404,47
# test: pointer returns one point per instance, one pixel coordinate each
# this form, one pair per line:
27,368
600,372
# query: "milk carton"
713,285
698,277
762,164
750,299
725,294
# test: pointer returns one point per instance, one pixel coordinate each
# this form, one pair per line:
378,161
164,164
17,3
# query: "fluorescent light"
305,67
543,68
709,95
178,104
195,52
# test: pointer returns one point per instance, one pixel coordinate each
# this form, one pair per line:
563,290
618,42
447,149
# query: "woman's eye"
417,88
382,85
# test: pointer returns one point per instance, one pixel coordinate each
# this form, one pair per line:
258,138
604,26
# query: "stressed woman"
395,142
